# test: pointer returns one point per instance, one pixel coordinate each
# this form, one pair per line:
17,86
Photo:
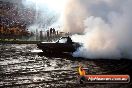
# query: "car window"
62,40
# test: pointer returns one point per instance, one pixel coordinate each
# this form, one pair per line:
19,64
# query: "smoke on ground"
106,26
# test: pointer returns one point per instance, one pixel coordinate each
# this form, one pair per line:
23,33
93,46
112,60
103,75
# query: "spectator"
53,31
48,33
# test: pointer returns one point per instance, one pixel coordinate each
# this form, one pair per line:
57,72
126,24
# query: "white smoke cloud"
97,43
46,15
106,25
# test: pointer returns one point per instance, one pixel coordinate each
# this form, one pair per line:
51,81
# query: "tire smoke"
105,25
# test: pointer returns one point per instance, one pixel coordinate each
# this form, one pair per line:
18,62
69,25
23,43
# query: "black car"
63,45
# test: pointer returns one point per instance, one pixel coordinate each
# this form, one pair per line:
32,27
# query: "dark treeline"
14,20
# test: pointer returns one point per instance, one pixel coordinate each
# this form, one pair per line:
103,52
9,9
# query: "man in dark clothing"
48,33
51,31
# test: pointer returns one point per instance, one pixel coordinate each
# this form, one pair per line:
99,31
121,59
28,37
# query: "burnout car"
63,45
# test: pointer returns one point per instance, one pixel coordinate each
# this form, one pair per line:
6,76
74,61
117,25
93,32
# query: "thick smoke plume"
106,26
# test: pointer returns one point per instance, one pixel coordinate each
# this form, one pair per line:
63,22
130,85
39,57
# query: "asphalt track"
20,67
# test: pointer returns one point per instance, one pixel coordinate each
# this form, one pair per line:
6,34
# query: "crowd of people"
52,32
14,19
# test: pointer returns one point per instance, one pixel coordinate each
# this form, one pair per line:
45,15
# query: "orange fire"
81,71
